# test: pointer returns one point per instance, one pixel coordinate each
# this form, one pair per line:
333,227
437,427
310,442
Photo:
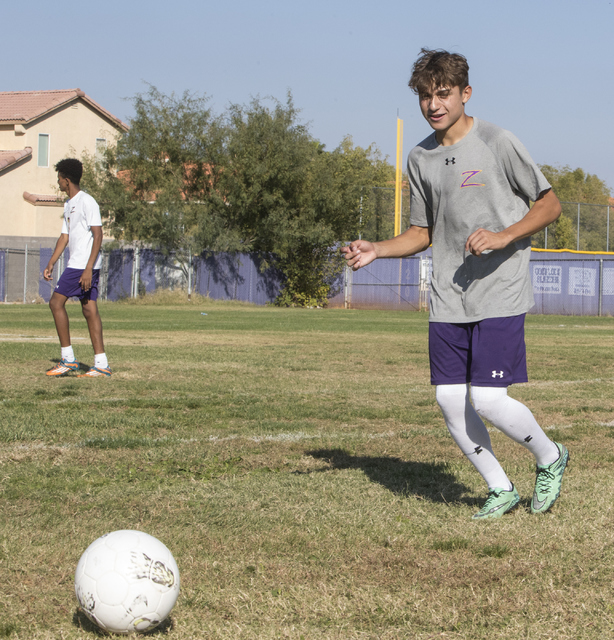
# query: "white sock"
470,433
515,420
100,361
68,354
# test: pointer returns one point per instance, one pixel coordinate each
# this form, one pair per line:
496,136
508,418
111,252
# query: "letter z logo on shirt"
471,174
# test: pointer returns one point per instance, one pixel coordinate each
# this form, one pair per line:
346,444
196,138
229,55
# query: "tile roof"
19,107
8,158
34,198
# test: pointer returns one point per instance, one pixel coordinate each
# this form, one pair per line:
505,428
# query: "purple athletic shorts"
68,285
488,353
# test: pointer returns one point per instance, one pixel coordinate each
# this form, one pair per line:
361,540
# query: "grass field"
296,464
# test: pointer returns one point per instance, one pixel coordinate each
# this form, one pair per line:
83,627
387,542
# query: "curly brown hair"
436,68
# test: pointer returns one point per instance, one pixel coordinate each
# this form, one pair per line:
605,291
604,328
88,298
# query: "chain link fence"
563,283
130,272
377,213
560,287
581,227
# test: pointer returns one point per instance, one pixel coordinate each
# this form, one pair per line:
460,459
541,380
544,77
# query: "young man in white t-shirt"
82,234
471,188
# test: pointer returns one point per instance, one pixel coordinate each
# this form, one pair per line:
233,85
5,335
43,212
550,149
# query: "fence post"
104,275
189,274
136,269
25,274
578,230
6,275
424,271
607,232
347,287
600,286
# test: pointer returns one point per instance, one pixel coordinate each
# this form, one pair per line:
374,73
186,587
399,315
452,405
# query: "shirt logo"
497,374
450,161
471,174
67,216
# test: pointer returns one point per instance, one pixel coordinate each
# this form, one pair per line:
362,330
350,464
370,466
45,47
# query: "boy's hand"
48,272
86,279
359,253
482,241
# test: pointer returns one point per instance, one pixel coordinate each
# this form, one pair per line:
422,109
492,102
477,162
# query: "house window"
101,147
43,149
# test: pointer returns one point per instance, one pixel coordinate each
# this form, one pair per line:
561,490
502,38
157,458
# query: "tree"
574,185
253,180
154,186
563,233
289,199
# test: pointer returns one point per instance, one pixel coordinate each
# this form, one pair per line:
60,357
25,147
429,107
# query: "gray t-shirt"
486,180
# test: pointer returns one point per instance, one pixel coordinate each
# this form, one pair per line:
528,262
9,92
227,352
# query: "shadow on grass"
81,621
427,480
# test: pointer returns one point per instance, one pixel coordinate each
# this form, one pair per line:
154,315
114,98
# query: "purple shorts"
68,285
488,353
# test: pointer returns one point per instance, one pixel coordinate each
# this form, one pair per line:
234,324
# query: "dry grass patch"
296,464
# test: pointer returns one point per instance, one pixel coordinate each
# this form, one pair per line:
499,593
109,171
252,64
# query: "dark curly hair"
70,168
436,68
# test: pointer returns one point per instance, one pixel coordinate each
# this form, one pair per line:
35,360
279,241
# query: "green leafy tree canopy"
251,180
574,185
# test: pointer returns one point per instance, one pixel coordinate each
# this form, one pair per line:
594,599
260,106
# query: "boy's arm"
86,277
545,210
361,252
60,245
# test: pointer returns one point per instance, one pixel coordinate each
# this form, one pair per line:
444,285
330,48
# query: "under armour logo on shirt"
497,374
450,161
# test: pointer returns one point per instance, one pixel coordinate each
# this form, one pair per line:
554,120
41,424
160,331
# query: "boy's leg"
94,324
515,420
450,358
499,359
57,304
470,434
67,363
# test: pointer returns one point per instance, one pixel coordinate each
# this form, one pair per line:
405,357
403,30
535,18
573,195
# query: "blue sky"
542,68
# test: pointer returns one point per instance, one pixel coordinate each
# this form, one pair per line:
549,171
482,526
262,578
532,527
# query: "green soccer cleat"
548,482
499,501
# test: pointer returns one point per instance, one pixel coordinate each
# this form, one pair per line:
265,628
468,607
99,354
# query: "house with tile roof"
37,129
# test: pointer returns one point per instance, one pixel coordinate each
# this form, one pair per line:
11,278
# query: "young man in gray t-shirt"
471,188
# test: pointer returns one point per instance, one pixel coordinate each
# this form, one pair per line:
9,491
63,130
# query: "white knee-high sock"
515,420
470,433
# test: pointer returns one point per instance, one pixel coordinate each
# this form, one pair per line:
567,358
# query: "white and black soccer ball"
127,581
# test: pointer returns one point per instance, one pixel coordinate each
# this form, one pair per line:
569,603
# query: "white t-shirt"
81,213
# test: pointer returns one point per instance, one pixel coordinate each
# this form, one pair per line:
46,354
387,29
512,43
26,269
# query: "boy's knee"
451,396
89,309
55,303
487,400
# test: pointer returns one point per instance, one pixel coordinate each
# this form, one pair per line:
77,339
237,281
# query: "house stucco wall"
72,130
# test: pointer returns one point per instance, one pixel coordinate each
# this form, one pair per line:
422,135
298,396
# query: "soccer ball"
127,581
